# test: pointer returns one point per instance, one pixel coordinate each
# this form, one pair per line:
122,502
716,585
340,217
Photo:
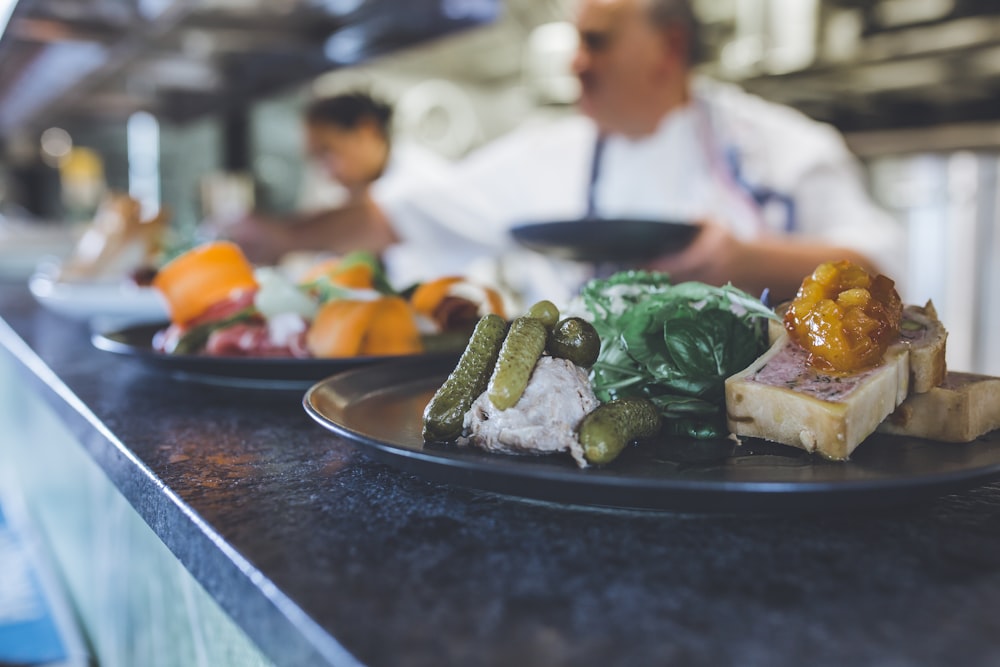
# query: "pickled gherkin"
444,414
606,431
575,339
521,349
546,311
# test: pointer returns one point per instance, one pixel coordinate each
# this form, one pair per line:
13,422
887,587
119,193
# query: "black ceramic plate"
380,407
604,240
251,372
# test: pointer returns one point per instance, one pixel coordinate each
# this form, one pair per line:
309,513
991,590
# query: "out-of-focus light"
81,175
842,35
906,12
475,10
557,39
345,46
792,35
549,62
6,9
151,9
742,56
57,67
341,7
56,144
143,137
903,75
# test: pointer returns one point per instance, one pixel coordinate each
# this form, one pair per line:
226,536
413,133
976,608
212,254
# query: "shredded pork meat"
545,418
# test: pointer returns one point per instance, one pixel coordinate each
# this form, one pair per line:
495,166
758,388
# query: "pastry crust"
926,338
964,407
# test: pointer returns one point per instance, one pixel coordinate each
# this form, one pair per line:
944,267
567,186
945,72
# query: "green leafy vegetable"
195,339
277,295
673,344
324,289
379,279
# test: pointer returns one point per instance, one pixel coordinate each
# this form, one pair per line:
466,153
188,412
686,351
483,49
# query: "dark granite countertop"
324,556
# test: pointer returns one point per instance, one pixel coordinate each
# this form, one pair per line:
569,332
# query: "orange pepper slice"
339,328
393,329
357,275
350,327
428,296
196,280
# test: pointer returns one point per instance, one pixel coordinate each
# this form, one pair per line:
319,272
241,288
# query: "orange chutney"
844,317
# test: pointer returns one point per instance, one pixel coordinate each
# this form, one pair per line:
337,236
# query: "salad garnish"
673,344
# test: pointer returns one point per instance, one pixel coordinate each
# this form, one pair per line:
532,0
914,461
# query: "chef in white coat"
774,192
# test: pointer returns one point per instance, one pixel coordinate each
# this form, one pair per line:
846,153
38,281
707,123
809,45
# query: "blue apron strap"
595,169
761,195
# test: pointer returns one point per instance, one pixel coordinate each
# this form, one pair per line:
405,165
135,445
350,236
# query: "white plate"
119,302
24,246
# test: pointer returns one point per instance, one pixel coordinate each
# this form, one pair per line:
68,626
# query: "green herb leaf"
673,344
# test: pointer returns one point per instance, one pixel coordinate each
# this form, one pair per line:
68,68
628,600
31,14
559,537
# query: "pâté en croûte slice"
844,368
962,408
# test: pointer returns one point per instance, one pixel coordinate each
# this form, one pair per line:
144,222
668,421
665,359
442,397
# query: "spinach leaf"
673,344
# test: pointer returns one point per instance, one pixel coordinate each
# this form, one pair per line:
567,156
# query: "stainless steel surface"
863,65
185,58
860,65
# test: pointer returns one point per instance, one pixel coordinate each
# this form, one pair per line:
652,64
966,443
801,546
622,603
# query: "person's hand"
777,264
261,239
711,257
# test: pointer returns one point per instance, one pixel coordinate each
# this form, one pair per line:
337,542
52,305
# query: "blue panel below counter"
36,623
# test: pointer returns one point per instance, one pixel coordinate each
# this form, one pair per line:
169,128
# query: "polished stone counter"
324,556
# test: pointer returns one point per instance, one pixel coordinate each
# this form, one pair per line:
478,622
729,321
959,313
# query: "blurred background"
194,105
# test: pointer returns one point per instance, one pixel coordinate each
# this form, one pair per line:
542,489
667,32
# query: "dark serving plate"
380,407
603,240
251,372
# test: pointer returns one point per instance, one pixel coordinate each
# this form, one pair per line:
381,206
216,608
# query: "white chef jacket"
759,167
408,163
318,192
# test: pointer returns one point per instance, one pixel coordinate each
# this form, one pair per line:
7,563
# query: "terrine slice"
920,331
782,398
964,407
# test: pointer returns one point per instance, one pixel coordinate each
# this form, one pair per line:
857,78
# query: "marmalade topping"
844,317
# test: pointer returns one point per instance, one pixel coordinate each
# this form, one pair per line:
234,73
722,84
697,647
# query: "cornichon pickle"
575,339
546,311
612,425
446,410
521,349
